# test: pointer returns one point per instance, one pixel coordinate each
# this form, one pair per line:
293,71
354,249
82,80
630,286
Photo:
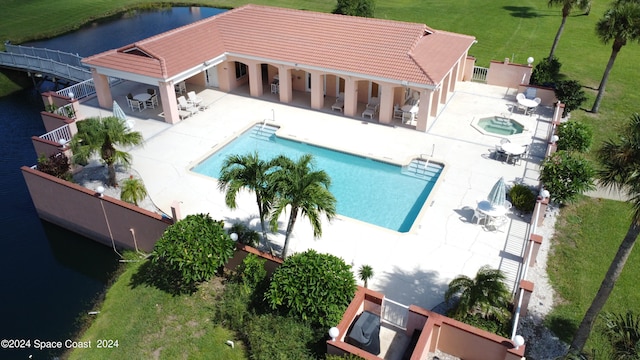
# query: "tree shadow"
162,278
417,287
524,12
563,328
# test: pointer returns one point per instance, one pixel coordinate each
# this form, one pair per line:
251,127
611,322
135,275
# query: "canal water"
52,277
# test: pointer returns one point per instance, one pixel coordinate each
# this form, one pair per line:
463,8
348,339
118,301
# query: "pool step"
263,132
422,169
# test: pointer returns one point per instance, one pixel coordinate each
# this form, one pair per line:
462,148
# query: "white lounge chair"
184,105
339,104
194,99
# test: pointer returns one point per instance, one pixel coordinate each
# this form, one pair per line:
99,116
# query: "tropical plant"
365,273
245,235
101,136
343,357
297,185
133,191
574,136
567,6
313,287
486,295
620,24
624,333
250,172
566,175
570,93
191,251
363,8
522,198
56,165
546,72
252,271
620,162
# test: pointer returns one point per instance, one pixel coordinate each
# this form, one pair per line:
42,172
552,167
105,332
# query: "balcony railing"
61,135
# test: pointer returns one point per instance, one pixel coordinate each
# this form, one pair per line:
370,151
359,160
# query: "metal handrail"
54,62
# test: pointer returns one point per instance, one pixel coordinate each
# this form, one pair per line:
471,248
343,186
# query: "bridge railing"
42,53
30,59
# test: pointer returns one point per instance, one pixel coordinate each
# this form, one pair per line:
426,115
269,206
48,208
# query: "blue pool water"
376,192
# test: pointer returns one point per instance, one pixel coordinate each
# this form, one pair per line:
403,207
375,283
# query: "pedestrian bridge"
54,63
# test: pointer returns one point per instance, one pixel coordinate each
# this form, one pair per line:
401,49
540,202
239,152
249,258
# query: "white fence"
394,313
61,135
480,74
53,62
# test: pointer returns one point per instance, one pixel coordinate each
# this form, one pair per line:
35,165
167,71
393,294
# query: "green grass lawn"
504,29
149,323
587,237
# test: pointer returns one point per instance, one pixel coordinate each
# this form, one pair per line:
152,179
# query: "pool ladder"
264,131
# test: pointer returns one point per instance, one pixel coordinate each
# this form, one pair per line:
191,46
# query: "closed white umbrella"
119,113
498,194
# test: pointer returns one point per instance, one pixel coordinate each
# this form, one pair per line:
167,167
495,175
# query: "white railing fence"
61,135
394,313
480,74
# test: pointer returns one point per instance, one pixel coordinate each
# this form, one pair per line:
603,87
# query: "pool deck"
411,268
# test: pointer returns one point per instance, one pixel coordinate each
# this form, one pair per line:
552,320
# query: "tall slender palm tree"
101,136
250,172
621,23
305,190
620,169
567,6
486,294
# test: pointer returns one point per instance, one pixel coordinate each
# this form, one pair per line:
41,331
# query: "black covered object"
365,333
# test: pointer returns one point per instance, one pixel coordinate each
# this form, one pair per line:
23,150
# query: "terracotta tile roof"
370,47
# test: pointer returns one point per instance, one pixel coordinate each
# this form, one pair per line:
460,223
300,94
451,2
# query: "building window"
241,70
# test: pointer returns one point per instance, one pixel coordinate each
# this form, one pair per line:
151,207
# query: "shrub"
245,235
546,73
523,198
252,272
570,93
491,325
363,8
343,357
192,250
56,165
313,287
566,175
574,136
276,337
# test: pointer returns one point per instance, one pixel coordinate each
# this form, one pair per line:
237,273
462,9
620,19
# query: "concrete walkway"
411,268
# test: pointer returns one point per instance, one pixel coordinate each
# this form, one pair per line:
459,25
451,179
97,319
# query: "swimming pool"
372,191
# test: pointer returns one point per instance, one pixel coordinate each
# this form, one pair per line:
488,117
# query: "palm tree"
365,273
624,333
486,295
567,6
250,172
101,136
305,190
621,23
620,169
133,191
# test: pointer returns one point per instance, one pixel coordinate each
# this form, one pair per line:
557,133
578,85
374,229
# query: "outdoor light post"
518,341
530,60
233,237
334,332
100,190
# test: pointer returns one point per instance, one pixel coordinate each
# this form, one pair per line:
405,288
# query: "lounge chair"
184,105
339,104
372,108
194,99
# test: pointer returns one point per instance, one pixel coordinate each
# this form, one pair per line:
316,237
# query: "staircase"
264,132
423,169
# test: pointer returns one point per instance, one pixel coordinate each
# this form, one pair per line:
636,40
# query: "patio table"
513,149
143,97
527,104
493,213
